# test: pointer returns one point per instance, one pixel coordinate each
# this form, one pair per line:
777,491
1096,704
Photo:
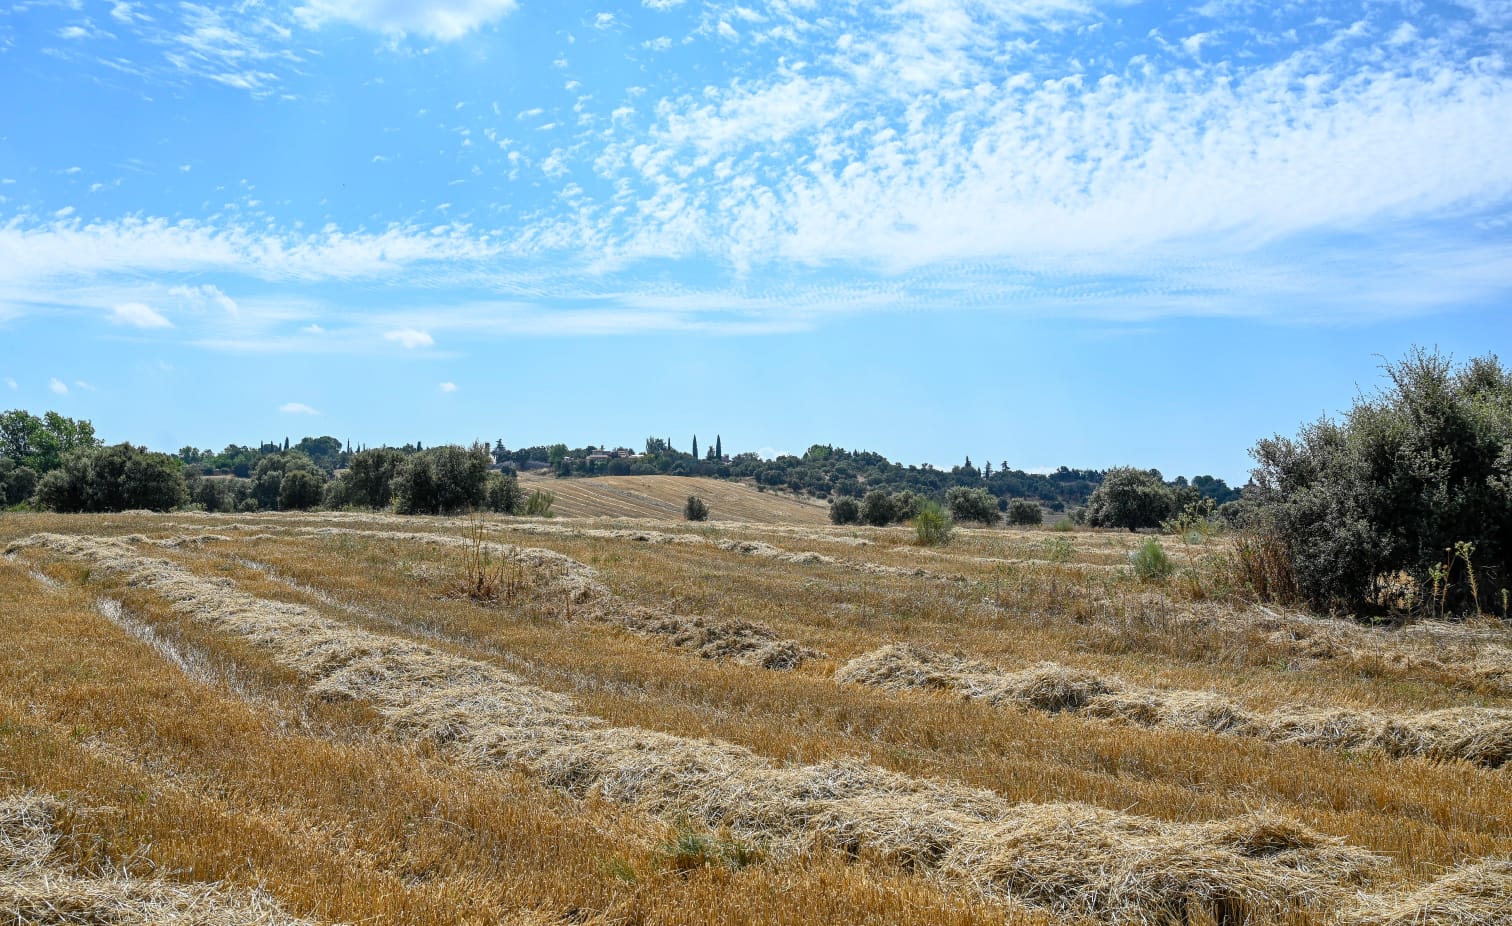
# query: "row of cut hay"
764,550
1482,736
1021,561
1072,859
734,640
637,535
740,641
1473,895
35,887
649,535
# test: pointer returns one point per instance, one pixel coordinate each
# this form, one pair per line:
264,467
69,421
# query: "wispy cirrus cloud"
444,20
1036,156
297,408
138,315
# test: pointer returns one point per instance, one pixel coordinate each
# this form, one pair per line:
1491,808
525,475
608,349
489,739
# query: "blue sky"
1041,231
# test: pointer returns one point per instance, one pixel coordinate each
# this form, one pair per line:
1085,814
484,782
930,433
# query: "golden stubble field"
301,717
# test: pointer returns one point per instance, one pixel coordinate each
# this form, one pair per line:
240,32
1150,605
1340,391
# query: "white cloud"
662,5
125,13
83,385
440,19
43,252
297,408
138,315
73,32
207,294
447,387
11,382
58,386
64,213
313,329
409,338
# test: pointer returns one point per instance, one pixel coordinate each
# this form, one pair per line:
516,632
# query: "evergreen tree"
286,445
718,449
695,446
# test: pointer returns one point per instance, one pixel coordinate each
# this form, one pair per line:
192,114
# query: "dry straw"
1071,859
1475,895
740,641
36,887
1482,736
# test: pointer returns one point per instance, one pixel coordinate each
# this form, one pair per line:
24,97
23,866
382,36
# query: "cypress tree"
695,446
718,449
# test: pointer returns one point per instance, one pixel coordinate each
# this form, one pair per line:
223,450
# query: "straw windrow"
36,887
1072,859
740,641
1482,736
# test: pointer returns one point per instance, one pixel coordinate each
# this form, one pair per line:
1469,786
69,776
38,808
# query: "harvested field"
655,707
662,498
1482,736
38,886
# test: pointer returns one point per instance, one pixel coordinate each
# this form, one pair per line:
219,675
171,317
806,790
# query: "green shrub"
538,503
932,525
877,509
301,490
1150,561
1058,549
442,480
1024,513
977,505
844,510
117,478
1063,526
502,493
696,509
1130,498
906,505
1410,473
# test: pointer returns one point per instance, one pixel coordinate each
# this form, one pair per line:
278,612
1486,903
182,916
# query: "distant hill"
663,497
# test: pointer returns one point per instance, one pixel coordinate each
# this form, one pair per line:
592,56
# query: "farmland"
320,717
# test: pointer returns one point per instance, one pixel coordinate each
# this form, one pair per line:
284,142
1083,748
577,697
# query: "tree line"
1403,503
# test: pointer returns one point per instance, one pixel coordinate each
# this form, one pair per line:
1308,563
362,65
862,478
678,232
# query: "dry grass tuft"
1482,736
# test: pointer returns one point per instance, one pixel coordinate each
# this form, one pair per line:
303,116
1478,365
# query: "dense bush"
370,477
117,478
538,503
1150,561
932,525
696,509
271,470
301,490
1130,498
977,505
877,509
844,510
17,483
1023,512
442,480
1411,472
503,493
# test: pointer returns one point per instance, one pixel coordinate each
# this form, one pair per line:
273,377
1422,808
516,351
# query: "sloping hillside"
663,497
